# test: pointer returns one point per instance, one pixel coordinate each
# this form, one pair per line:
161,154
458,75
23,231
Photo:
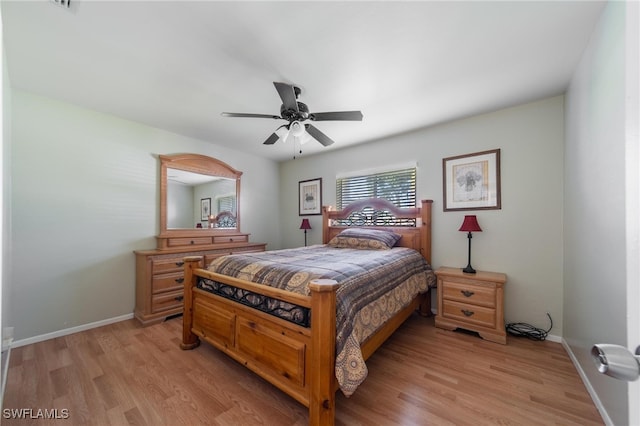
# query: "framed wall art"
472,181
205,208
310,197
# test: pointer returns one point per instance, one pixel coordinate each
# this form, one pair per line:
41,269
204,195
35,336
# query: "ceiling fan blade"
288,95
271,139
336,116
318,135
242,114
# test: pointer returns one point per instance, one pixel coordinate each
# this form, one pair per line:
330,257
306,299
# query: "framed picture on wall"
310,197
205,208
472,181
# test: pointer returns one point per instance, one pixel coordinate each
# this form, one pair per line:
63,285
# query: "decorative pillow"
367,239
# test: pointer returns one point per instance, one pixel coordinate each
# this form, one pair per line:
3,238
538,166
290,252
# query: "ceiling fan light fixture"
297,129
306,137
282,133
296,113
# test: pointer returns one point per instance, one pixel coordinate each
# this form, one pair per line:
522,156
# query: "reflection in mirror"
199,200
194,191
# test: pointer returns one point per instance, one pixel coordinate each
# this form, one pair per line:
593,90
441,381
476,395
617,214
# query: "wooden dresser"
199,216
472,302
160,273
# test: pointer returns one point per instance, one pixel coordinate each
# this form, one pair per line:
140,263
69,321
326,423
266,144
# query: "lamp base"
469,270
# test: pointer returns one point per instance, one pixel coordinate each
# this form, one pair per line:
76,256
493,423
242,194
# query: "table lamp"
469,225
305,225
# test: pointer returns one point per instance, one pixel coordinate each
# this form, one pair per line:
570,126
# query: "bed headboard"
377,213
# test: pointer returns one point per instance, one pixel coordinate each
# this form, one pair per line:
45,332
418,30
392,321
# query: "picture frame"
205,209
472,181
310,197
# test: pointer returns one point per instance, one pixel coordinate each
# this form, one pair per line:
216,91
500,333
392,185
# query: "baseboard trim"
592,392
67,331
554,338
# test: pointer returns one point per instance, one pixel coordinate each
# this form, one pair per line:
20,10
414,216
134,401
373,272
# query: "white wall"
6,193
84,196
594,207
632,201
523,239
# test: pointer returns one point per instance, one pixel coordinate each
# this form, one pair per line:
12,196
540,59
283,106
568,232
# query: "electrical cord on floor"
521,329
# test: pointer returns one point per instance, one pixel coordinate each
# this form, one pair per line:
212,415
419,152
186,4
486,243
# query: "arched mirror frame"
201,164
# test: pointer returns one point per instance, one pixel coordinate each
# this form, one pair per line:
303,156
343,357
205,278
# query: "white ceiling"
177,65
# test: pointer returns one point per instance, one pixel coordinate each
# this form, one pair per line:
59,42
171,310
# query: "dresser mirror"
199,195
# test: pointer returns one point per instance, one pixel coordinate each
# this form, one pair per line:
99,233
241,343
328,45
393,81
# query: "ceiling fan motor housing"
291,115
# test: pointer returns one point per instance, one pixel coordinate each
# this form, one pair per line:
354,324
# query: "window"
227,204
396,186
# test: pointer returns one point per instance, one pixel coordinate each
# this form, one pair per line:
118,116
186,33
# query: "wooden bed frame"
300,361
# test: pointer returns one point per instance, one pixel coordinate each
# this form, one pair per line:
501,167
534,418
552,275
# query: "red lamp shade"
305,224
470,224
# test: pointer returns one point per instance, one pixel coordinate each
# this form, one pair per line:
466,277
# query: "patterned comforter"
375,284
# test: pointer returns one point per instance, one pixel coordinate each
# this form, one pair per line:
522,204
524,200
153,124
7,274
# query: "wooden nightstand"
473,302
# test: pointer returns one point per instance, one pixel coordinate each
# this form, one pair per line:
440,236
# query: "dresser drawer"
172,264
471,314
189,241
476,294
222,239
167,282
166,301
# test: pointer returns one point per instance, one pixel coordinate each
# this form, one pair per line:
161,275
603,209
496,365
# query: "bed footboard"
298,360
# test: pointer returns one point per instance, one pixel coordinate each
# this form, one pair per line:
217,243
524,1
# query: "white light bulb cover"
306,137
282,133
297,129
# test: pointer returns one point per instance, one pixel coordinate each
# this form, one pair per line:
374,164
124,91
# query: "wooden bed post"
325,224
189,340
425,230
425,248
322,392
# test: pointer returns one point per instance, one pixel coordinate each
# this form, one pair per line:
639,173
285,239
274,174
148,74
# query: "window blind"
396,186
227,204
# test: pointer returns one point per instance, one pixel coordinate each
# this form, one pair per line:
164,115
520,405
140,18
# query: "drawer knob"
179,264
466,312
179,298
467,293
230,240
192,242
179,280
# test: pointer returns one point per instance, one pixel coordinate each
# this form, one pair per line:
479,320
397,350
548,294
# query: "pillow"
367,239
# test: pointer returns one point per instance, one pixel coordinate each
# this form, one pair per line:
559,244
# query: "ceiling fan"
296,113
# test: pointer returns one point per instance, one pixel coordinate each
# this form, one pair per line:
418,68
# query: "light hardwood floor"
122,374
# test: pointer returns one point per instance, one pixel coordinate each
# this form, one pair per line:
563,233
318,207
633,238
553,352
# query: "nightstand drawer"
471,314
477,294
472,302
